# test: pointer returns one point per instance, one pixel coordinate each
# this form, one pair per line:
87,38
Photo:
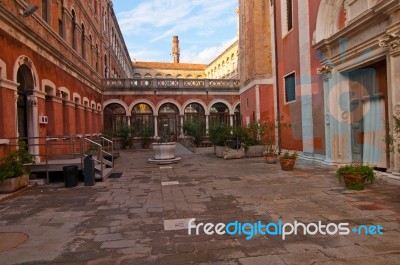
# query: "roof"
161,65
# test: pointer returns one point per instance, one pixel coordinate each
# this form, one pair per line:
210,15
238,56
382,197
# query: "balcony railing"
162,84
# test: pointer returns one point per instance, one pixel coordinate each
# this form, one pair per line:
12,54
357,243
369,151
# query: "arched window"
179,76
142,119
105,21
97,58
105,66
168,121
219,113
148,75
61,18
95,7
194,111
83,42
189,76
199,76
114,117
237,118
91,50
137,75
159,76
73,29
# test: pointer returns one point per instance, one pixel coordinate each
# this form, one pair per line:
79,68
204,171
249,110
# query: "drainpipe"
277,76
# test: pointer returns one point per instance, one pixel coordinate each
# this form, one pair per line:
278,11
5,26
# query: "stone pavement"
131,220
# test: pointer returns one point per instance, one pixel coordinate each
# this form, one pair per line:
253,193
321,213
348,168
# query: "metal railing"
187,141
46,150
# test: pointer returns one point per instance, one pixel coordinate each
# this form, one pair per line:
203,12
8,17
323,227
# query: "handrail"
187,143
100,153
46,147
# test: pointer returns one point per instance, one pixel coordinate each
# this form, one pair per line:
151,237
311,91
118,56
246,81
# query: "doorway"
168,121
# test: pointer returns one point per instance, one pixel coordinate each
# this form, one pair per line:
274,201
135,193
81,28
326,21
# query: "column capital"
392,41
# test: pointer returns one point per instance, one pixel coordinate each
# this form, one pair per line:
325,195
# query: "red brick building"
53,57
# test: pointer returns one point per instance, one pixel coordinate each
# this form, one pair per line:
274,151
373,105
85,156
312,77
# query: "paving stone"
300,258
262,260
119,244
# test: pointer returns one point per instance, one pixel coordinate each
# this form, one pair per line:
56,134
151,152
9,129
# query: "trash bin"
88,171
70,176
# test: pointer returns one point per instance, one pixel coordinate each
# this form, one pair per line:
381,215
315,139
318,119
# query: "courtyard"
141,217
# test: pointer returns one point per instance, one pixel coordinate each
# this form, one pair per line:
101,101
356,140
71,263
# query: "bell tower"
175,49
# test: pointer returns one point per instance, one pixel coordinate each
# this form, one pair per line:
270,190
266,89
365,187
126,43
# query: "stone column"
33,127
181,123
207,123
231,120
155,126
392,42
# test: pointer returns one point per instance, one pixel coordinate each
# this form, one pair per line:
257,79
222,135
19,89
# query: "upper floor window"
73,29
61,19
286,16
83,42
105,21
290,88
45,10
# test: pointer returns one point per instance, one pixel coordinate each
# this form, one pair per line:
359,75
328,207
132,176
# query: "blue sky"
205,28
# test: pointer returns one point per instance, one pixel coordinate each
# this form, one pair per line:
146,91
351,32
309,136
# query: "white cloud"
206,55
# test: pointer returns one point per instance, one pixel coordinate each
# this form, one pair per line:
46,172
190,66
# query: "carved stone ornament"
324,69
33,101
391,40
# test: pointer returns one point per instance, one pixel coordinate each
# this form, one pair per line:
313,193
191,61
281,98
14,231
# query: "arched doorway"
25,89
237,118
219,113
114,117
168,120
141,118
194,111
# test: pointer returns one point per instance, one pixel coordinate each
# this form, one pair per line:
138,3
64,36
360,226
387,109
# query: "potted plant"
219,133
355,175
146,136
164,149
235,144
14,174
254,145
288,160
270,146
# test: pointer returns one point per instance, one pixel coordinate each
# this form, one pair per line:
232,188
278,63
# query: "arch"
159,76
137,75
76,98
176,103
3,69
230,108
48,87
190,101
64,90
93,104
234,106
179,76
148,75
327,19
144,101
73,28
98,106
169,76
122,103
25,60
85,102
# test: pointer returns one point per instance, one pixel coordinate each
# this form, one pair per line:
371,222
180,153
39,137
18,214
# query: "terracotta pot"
271,158
351,178
287,164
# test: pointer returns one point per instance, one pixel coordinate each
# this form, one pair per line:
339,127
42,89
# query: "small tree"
195,128
219,133
125,133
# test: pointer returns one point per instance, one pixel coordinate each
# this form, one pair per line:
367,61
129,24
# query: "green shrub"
219,133
12,165
195,128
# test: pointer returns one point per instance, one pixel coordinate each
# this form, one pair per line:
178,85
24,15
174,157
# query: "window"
97,57
73,28
83,42
289,10
45,10
290,88
61,19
